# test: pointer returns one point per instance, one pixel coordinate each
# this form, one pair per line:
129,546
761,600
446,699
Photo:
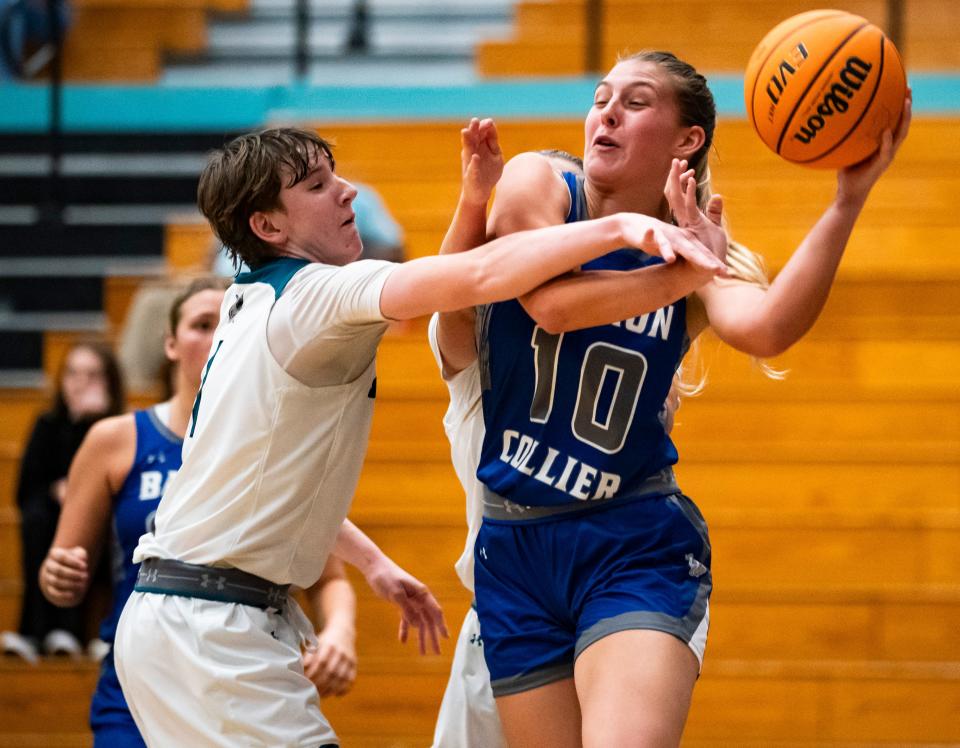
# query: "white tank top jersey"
270,464
463,424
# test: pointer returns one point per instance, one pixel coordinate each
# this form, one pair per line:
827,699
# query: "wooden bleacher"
126,39
550,35
833,497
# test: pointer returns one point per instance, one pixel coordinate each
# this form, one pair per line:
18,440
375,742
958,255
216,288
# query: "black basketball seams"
853,127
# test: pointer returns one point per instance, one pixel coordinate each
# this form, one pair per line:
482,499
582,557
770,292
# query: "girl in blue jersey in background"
115,484
592,569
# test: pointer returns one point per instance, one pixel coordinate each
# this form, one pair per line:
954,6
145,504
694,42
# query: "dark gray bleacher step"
281,53
94,266
73,241
96,189
21,341
146,165
120,143
341,71
61,293
61,284
420,35
21,350
22,379
341,9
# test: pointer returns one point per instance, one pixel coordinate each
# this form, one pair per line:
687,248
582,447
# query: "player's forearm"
337,605
591,298
503,269
799,292
455,329
513,265
467,229
355,548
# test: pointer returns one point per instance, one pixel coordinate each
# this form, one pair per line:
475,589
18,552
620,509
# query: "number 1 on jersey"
546,353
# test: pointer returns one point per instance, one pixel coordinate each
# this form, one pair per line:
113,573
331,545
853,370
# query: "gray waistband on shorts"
167,576
497,507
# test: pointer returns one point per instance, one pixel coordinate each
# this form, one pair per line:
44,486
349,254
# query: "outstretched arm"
765,322
418,607
481,163
513,265
332,666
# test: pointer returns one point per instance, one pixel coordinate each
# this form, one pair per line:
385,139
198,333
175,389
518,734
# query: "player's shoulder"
112,433
530,194
321,273
530,167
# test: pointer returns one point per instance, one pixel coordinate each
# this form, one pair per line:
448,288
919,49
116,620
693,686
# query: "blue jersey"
157,460
577,416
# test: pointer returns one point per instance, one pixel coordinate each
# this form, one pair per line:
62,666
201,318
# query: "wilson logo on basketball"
778,81
836,100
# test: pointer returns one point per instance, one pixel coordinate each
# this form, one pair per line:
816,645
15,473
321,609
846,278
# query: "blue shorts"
110,718
550,587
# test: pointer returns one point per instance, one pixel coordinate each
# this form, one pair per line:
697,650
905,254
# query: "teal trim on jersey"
26,107
196,403
276,273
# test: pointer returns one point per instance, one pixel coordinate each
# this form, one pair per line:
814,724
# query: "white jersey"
468,716
271,460
463,423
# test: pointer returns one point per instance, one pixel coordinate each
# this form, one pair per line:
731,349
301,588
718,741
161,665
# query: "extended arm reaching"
418,607
765,322
481,163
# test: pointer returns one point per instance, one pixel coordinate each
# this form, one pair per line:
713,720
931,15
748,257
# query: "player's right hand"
481,160
418,607
668,241
64,576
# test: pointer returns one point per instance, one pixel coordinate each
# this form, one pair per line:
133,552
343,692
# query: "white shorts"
468,715
204,673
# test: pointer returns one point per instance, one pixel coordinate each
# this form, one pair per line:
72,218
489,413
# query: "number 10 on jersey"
604,367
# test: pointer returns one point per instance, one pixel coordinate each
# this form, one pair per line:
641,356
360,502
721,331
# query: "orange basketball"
822,87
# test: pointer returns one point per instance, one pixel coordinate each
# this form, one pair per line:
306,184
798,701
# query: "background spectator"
89,387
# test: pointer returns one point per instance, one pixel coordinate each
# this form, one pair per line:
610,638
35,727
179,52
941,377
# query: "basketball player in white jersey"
207,648
468,714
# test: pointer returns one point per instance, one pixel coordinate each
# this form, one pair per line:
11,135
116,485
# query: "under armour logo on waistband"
205,581
148,576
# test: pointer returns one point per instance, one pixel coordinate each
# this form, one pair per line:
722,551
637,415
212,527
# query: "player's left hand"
332,666
481,160
855,181
418,607
681,193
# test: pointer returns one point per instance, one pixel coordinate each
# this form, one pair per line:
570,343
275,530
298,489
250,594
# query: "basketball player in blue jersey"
118,479
592,570
468,716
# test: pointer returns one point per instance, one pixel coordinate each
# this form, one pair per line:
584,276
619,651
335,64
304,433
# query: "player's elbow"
768,343
552,317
